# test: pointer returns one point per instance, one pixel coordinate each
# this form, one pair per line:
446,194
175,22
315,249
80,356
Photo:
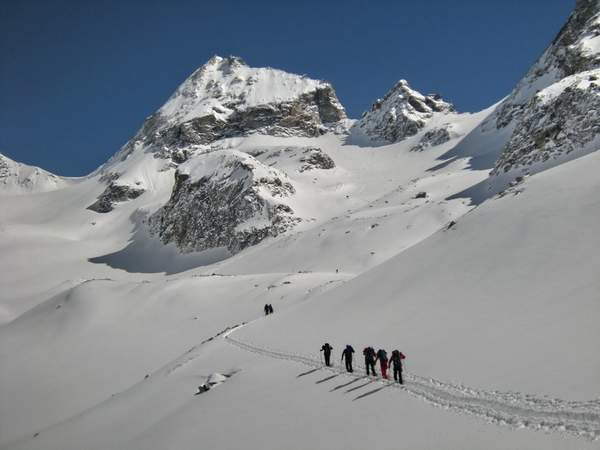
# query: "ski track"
513,409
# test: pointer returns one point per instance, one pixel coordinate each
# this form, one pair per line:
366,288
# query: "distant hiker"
369,353
396,361
270,308
326,349
383,362
347,355
266,308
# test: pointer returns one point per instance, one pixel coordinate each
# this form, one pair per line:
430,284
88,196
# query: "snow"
221,166
590,43
111,331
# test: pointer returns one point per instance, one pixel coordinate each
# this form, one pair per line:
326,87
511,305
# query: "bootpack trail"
513,409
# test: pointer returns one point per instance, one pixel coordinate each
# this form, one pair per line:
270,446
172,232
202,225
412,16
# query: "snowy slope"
454,331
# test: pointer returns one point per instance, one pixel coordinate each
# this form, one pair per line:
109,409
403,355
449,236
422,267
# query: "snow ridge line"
516,410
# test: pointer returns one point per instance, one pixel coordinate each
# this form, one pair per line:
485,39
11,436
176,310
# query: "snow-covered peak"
226,98
224,85
18,178
401,113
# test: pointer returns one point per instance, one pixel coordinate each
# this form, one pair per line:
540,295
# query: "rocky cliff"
553,110
225,199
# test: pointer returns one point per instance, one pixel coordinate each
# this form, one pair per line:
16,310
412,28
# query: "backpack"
382,355
397,356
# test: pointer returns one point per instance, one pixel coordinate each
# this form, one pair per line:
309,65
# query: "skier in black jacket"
326,349
369,353
396,362
347,355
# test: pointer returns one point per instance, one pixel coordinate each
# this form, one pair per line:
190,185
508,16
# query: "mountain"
551,115
18,178
554,109
131,308
403,112
227,98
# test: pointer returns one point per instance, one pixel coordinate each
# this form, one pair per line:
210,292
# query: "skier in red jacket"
383,361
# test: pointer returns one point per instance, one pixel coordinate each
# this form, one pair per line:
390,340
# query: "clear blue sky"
77,78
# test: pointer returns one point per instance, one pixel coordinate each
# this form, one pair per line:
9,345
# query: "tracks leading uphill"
517,410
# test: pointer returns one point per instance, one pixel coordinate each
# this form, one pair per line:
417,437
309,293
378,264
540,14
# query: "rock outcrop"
224,199
315,158
558,121
431,138
403,112
113,194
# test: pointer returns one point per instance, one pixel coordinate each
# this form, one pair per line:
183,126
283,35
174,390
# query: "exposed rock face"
558,121
226,98
224,199
315,158
573,50
401,113
431,138
114,193
554,108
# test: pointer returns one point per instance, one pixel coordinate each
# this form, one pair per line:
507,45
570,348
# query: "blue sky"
77,78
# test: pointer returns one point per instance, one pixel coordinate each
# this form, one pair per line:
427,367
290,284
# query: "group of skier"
371,358
268,309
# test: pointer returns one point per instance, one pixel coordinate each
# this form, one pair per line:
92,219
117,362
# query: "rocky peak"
226,97
401,113
575,49
554,108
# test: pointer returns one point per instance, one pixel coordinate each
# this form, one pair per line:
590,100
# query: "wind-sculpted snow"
513,409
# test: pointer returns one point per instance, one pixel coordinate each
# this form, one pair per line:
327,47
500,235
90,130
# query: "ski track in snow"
513,409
